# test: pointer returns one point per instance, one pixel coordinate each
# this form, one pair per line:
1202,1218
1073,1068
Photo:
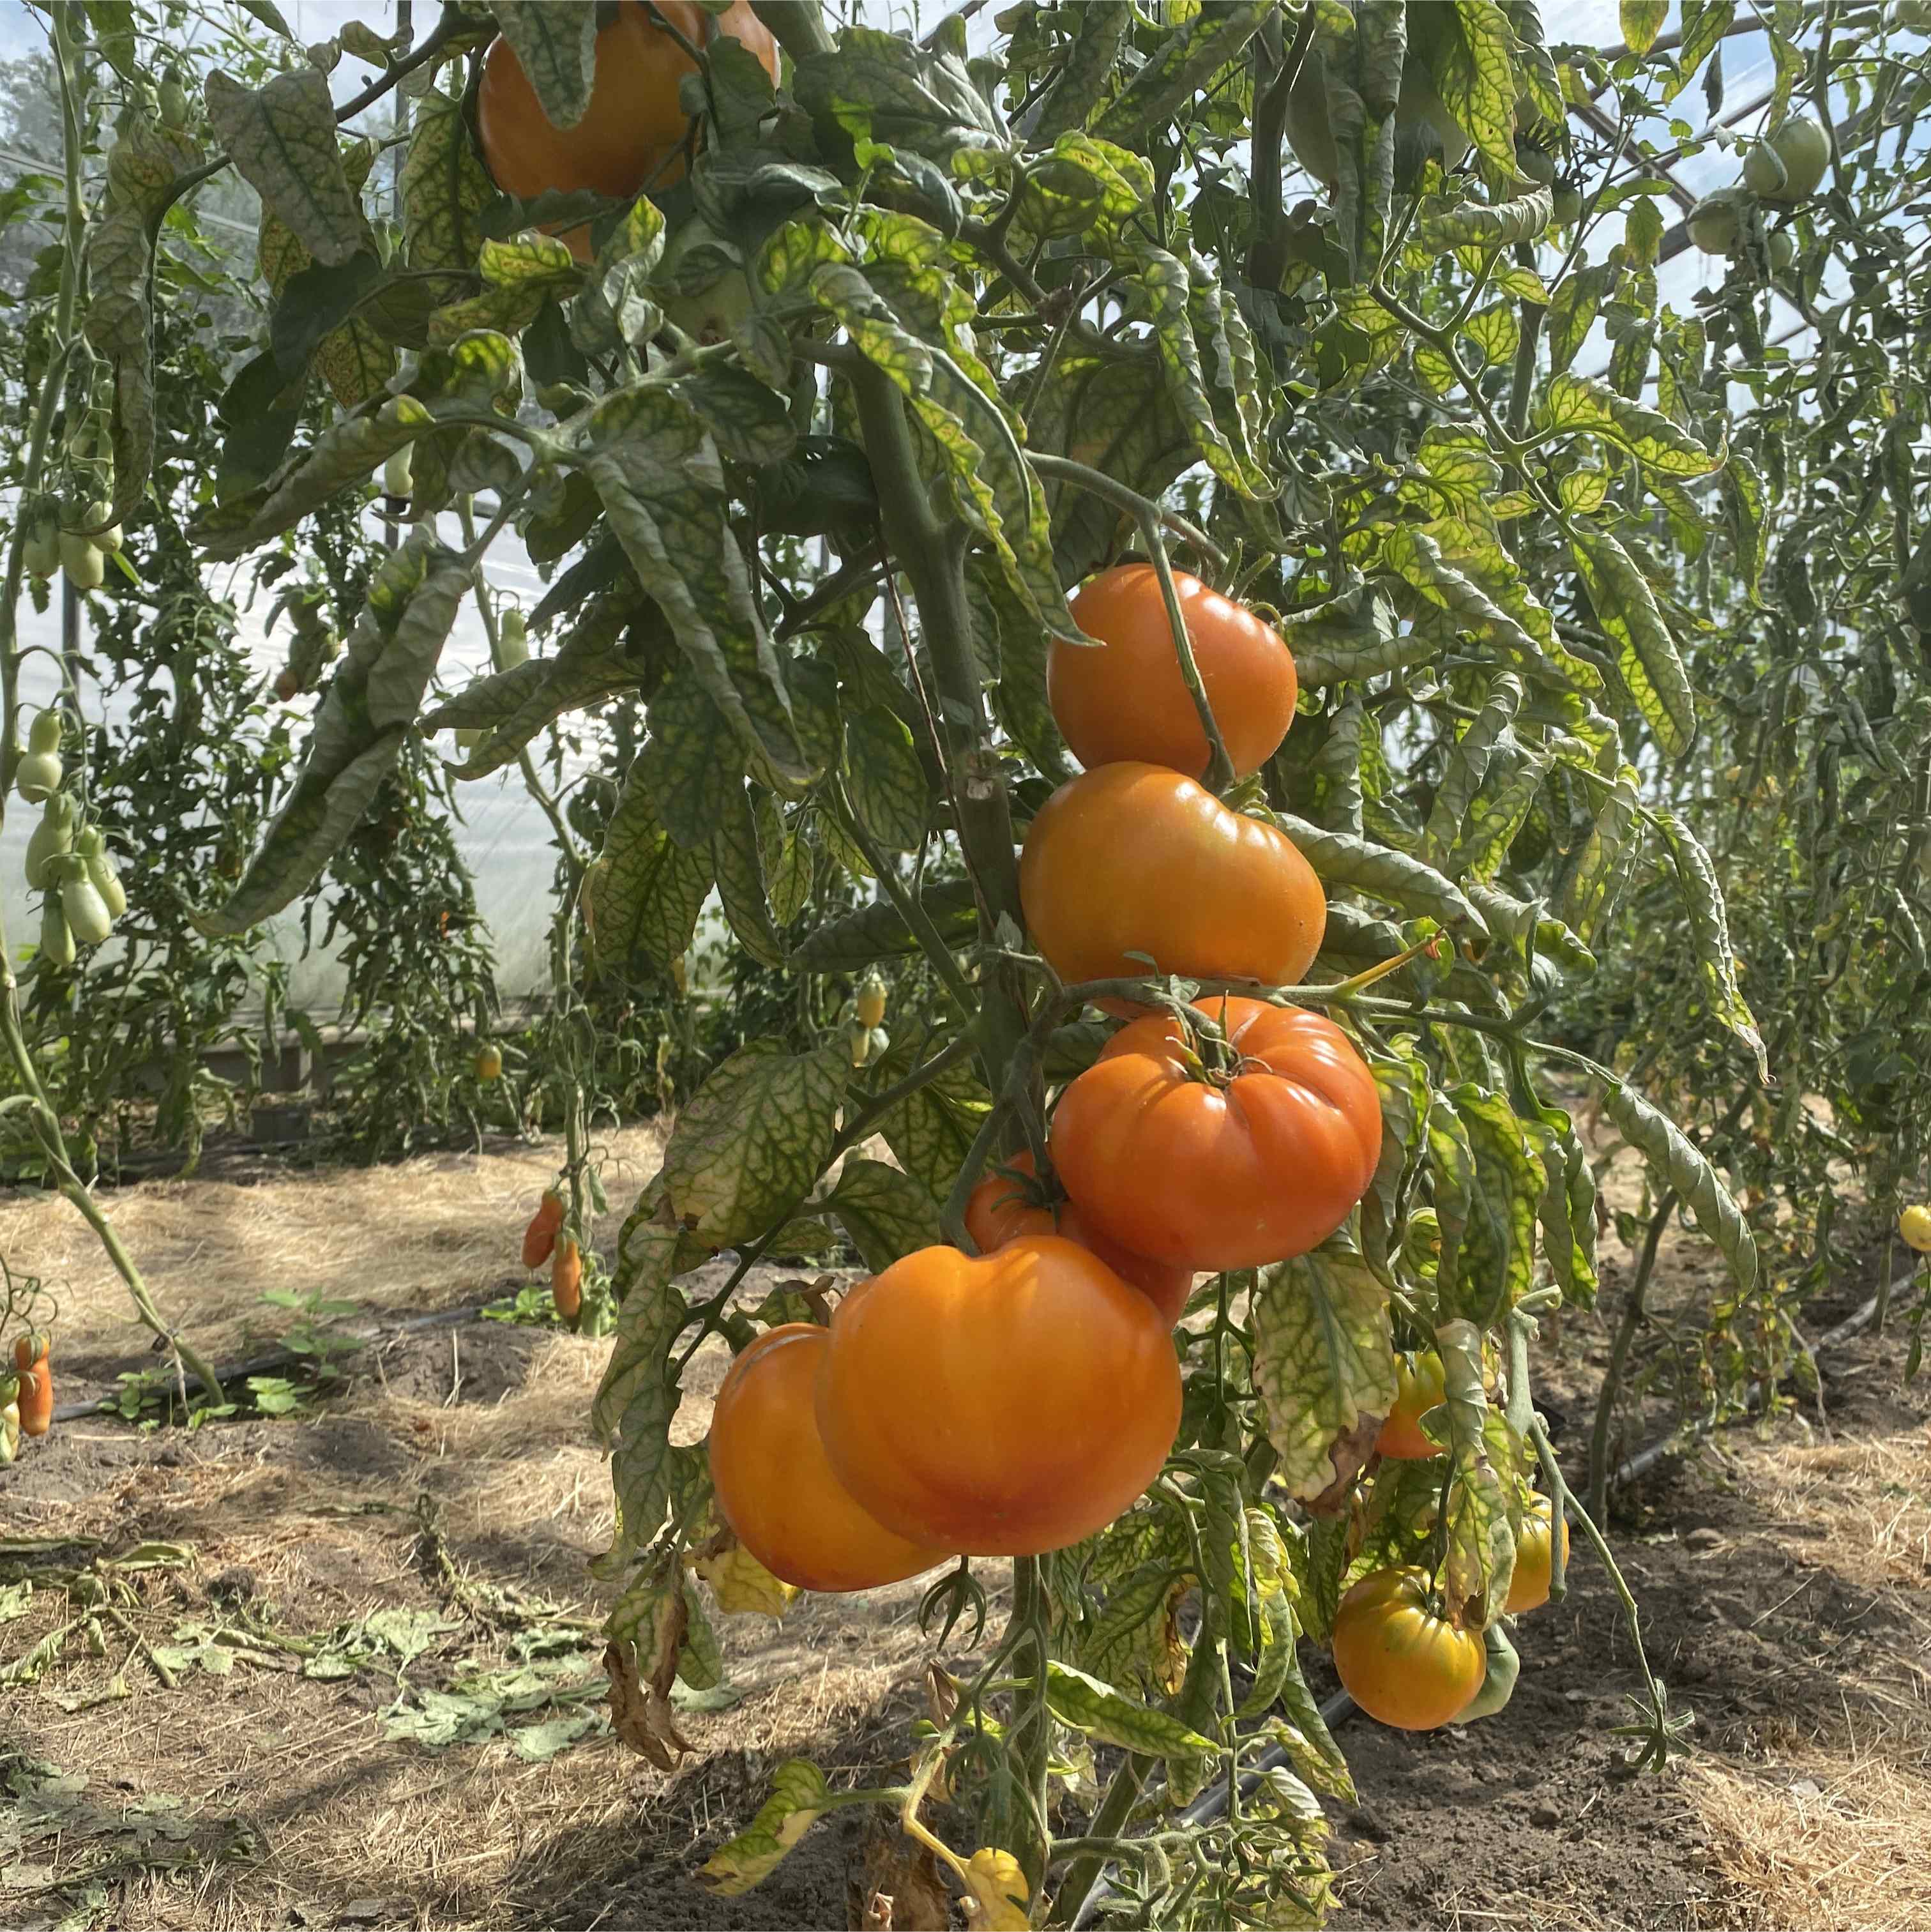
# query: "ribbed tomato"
1228,1169
1001,1406
774,1485
1126,698
1535,1557
1135,858
1001,1208
1403,1664
1419,1387
634,123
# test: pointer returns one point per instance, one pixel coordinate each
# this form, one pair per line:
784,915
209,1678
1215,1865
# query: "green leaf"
1489,225
1323,1358
1340,859
1098,1711
1573,310
1468,765
799,1797
738,858
1704,24
1080,84
887,1212
993,484
1664,1146
1479,1555
753,1140
885,779
555,41
879,930
1579,404
631,1414
444,188
369,709
1710,930
1353,635
1474,74
656,469
282,139
931,1130
1594,882
642,898
888,89
1568,1209
1183,64
691,782
1646,656
610,648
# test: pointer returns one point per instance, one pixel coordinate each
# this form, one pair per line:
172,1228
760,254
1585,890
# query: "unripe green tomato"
468,737
512,639
1714,227
1783,252
1803,145
1568,208
46,732
92,847
107,538
398,480
1763,169
88,918
41,553
52,837
1537,164
56,942
173,101
82,561
37,776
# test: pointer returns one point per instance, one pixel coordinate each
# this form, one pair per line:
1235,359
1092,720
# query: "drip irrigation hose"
1340,1707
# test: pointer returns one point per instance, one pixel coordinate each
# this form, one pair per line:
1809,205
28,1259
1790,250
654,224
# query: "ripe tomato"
1226,1171
566,1278
1403,1664
1001,1208
634,123
1001,1406
540,1237
1418,1388
774,1485
35,1393
1535,1555
1127,699
1914,1225
1134,858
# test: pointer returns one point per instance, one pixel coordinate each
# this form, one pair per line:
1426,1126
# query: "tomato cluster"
1238,1134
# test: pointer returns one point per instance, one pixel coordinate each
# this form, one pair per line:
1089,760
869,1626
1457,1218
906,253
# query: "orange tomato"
36,1392
1404,1665
631,131
775,1486
540,1237
1419,1387
1127,700
1227,1171
1000,1208
1535,1557
566,1278
1134,858
1001,1406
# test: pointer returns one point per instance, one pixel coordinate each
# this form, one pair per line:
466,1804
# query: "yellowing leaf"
742,1585
799,1798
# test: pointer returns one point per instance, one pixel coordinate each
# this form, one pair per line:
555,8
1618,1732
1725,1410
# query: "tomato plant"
854,365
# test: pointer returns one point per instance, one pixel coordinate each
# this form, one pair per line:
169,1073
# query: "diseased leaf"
1323,1358
751,1142
1667,1150
1340,859
799,1797
555,42
631,1415
282,139
1709,928
887,1212
370,707
1646,655
642,896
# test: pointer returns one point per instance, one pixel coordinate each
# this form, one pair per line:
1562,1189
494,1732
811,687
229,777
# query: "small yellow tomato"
1914,1225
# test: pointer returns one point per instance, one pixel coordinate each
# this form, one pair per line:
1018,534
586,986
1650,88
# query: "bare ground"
1785,1578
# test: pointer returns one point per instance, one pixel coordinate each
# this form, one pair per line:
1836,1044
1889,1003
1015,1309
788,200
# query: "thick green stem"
1108,1822
797,25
